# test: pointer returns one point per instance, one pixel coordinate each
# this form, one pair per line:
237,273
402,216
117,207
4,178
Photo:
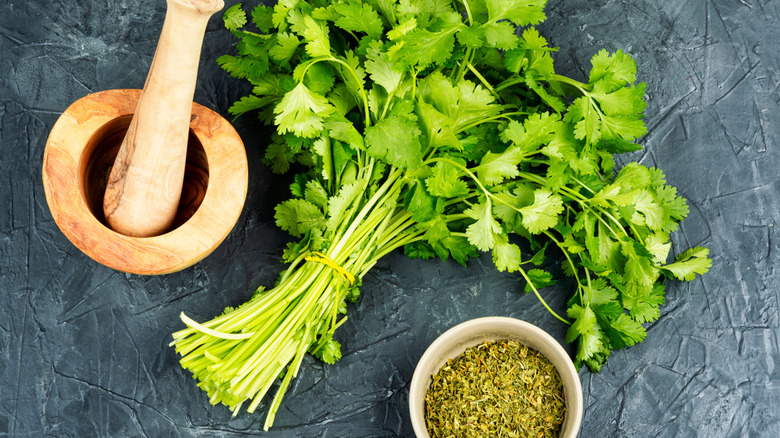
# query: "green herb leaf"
234,17
520,13
395,140
482,233
543,212
540,279
688,264
298,216
301,111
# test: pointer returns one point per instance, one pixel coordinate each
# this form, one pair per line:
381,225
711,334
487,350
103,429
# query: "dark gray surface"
83,348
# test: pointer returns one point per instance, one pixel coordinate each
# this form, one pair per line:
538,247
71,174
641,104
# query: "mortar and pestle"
146,181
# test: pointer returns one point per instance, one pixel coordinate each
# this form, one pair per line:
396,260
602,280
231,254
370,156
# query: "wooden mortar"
183,167
79,155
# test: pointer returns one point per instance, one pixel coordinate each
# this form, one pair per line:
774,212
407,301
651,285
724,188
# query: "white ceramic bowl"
470,333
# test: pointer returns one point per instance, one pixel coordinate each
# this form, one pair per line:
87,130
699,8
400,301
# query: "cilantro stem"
362,89
387,104
575,179
468,12
482,80
461,71
508,116
371,202
539,296
508,83
590,285
583,202
489,195
566,254
574,83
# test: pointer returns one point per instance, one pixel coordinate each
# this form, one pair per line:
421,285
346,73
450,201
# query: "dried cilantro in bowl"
497,388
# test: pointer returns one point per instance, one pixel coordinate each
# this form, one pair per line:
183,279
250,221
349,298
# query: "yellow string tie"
327,261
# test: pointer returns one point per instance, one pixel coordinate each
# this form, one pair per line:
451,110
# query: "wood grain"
145,185
74,161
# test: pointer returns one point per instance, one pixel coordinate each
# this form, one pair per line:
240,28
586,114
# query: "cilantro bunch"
441,128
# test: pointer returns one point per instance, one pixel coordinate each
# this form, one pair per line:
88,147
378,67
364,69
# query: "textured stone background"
83,348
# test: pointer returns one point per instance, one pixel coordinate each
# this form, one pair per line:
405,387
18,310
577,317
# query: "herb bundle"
441,128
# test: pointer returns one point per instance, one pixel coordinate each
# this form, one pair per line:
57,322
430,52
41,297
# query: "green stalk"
282,321
539,296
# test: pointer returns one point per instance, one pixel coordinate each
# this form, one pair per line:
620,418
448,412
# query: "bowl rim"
457,339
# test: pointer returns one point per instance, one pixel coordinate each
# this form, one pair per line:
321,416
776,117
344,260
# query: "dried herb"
499,388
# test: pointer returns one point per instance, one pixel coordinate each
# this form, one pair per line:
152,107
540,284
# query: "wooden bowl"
458,339
79,155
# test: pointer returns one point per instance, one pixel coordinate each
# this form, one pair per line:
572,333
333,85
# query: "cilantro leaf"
688,264
244,67
327,349
279,157
615,70
644,306
395,140
474,37
537,130
250,103
355,17
316,35
437,127
298,216
540,279
422,47
445,182
598,293
421,204
286,45
506,256
508,203
419,250
319,78
341,129
315,193
653,212
500,35
234,17
659,246
494,168
520,13
302,111
262,17
460,248
482,233
623,331
381,69
639,266
543,212
584,322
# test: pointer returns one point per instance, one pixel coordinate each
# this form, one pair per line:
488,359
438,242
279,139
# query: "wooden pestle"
145,183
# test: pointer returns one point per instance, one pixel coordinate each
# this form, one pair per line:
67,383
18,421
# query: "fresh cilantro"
688,264
297,216
302,112
543,212
440,127
485,229
234,17
540,279
327,349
